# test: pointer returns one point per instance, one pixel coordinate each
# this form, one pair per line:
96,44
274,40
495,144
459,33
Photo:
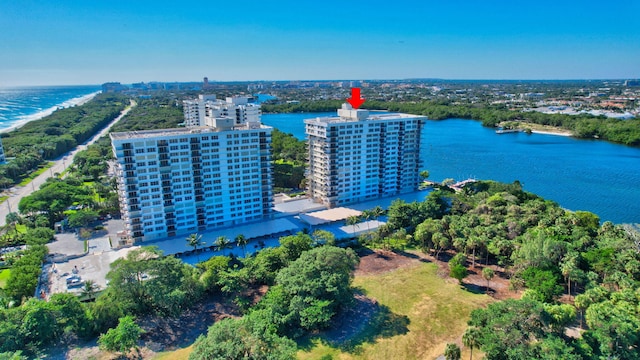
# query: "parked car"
74,283
73,278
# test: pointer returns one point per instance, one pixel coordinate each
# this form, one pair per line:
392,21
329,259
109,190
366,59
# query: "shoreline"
77,101
540,129
558,133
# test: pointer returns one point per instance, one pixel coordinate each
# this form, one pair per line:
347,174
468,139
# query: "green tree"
544,282
569,267
353,221
323,237
82,218
195,240
510,329
247,338
458,272
144,282
123,337
293,246
311,290
89,288
614,329
452,352
471,339
242,241
377,211
222,243
488,274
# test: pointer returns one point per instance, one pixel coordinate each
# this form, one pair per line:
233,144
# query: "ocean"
19,105
590,175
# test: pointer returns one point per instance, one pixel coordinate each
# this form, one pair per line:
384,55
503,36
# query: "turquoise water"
589,175
21,104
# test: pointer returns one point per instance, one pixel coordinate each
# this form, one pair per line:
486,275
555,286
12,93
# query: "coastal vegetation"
289,161
586,126
48,138
573,270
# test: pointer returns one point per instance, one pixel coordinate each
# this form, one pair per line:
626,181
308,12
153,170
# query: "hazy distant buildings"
179,181
358,156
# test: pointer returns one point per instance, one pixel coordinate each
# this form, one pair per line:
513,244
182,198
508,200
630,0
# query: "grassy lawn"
181,354
4,276
34,174
426,313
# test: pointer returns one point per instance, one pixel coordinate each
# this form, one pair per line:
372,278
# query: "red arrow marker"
355,100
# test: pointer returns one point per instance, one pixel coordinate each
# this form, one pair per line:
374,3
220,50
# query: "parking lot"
70,259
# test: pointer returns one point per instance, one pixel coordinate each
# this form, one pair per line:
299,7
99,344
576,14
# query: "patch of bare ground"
169,333
352,321
382,261
164,333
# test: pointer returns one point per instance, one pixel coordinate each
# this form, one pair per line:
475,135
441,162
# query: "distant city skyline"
74,42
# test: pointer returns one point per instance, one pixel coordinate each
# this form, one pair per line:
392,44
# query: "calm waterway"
589,175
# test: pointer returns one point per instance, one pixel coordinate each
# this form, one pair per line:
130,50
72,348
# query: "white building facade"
179,181
199,112
357,156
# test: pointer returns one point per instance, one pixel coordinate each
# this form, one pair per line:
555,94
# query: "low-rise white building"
359,156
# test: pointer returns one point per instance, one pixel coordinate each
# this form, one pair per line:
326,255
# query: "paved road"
16,193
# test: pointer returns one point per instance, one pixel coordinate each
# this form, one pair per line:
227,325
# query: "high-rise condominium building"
358,156
196,112
179,181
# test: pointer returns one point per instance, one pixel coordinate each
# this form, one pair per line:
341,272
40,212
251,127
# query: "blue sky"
91,42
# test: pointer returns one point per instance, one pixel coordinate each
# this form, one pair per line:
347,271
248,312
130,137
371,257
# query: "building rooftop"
348,114
179,131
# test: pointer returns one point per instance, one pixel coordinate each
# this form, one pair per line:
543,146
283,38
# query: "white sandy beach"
551,133
69,103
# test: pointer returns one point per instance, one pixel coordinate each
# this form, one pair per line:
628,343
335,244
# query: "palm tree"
568,267
353,220
366,216
195,240
487,274
222,242
89,288
376,212
242,241
471,339
452,352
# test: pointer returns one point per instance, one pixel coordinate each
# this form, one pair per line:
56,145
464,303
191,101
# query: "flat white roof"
374,117
177,131
328,216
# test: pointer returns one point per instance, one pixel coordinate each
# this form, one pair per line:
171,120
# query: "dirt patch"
164,333
382,261
352,321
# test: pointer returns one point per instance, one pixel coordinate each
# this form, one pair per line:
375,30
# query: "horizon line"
330,80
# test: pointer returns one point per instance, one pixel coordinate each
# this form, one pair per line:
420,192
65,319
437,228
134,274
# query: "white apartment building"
179,181
200,111
358,156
